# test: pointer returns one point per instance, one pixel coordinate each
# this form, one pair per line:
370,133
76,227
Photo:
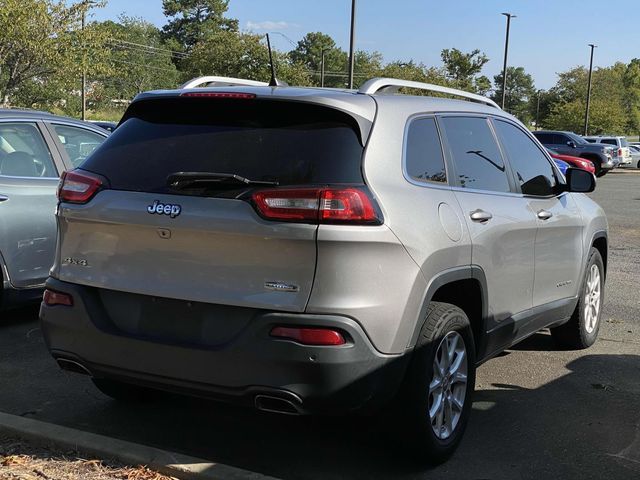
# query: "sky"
546,37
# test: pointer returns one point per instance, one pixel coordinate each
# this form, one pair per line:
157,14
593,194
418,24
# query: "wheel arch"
600,242
465,287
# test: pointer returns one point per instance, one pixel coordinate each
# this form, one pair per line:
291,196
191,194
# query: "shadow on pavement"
582,425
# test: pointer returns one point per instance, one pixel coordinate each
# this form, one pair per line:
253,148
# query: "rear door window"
609,141
261,140
23,152
424,159
475,153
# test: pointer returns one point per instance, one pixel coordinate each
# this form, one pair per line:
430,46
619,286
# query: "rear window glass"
285,142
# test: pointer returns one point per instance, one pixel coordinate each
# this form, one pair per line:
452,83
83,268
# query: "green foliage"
42,49
520,89
192,21
242,55
463,69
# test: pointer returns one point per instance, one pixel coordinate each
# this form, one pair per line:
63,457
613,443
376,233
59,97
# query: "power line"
148,47
144,66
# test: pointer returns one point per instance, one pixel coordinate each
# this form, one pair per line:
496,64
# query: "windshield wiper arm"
180,180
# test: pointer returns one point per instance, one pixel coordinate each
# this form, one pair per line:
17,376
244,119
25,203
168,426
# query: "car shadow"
584,424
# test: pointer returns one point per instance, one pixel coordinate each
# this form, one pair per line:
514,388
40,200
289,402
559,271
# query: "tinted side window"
545,138
559,139
609,141
477,158
424,160
532,169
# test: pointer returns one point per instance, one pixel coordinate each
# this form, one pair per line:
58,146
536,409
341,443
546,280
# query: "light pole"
352,43
586,112
506,53
322,66
84,70
538,111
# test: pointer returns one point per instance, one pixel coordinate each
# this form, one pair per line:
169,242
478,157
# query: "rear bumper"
246,365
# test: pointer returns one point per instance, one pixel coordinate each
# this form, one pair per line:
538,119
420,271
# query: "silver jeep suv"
315,251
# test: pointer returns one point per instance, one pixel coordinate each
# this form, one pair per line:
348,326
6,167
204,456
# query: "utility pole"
322,67
84,69
586,112
352,43
538,111
506,53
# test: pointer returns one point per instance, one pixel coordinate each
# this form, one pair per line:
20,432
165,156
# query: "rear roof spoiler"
215,81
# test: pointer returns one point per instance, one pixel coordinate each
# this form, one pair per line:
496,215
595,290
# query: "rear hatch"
175,213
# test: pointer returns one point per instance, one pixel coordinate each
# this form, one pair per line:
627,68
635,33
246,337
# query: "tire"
638,165
420,419
581,331
124,392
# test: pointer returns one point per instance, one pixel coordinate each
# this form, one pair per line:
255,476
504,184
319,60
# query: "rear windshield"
261,140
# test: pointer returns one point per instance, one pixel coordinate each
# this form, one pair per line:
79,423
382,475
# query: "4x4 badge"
164,209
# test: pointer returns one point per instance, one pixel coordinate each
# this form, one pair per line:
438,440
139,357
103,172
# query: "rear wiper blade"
180,180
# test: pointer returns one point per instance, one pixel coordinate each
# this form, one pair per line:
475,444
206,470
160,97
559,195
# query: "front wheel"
581,331
439,386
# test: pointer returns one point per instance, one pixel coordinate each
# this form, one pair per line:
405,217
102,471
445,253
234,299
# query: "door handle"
544,215
3,198
480,216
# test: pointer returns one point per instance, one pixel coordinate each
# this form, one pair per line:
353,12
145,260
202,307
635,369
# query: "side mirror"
580,181
539,186
571,143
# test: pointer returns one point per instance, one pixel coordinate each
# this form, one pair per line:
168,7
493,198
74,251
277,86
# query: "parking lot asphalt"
537,413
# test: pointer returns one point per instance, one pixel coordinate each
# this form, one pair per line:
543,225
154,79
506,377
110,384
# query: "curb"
167,463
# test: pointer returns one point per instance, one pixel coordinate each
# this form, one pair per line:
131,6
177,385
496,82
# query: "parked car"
241,243
562,165
634,151
35,148
568,143
108,126
620,143
575,162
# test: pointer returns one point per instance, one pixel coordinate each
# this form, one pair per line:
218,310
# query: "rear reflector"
310,336
236,95
317,205
52,298
78,187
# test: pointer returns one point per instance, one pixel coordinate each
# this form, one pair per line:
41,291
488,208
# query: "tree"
139,59
631,80
463,69
191,21
242,55
42,46
308,52
520,89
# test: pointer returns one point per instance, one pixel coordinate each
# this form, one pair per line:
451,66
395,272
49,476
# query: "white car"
623,153
635,155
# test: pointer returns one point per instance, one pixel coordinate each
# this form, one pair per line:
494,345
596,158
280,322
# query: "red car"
575,162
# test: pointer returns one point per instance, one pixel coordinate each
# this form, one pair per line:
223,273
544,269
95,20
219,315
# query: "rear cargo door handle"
544,215
3,198
480,216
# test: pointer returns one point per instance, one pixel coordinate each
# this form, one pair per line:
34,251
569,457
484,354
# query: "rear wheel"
582,329
124,392
437,395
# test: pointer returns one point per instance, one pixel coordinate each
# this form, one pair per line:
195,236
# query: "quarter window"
78,142
478,162
424,160
533,171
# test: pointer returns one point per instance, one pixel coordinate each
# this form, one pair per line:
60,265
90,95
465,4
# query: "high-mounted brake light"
317,205
236,95
310,336
78,187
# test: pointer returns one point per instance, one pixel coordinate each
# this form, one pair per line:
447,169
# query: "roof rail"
392,85
222,81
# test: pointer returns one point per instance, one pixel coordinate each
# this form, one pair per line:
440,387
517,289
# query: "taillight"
52,298
310,336
619,152
317,205
78,187
234,95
